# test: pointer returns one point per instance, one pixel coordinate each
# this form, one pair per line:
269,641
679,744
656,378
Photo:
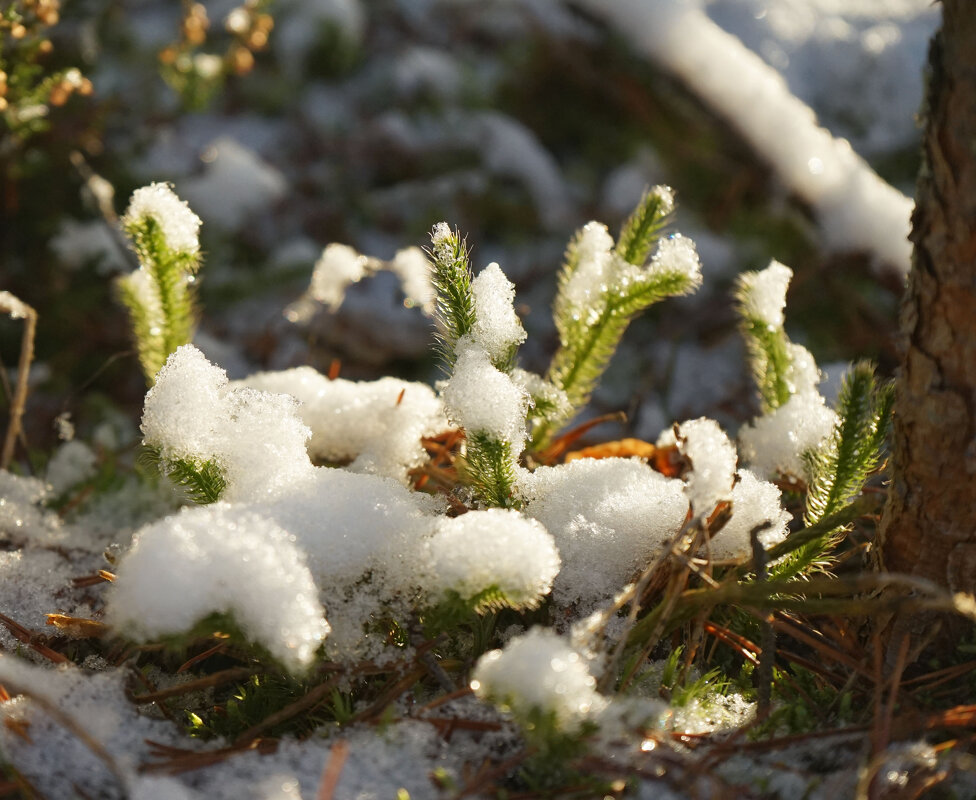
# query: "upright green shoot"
601,289
161,295
840,467
451,277
760,299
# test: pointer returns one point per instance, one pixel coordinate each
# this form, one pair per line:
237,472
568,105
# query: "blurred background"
292,124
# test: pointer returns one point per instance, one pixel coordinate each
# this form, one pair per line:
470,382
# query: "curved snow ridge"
855,208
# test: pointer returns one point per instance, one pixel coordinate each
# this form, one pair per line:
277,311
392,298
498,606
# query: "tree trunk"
929,524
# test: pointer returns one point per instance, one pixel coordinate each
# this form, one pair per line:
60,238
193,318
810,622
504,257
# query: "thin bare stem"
18,310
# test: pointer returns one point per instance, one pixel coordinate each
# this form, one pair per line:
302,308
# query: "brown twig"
70,724
206,682
28,637
18,309
332,770
306,702
177,760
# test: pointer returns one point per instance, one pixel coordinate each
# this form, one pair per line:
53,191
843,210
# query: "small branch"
17,309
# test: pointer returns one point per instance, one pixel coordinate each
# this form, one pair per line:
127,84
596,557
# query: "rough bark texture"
929,525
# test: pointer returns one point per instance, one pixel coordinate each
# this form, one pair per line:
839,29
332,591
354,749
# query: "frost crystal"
482,399
609,517
379,423
712,458
180,226
754,502
220,560
764,293
539,671
774,443
497,328
494,548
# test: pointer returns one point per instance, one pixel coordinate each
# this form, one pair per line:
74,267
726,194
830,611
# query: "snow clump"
539,671
73,463
764,294
754,502
609,518
256,438
495,548
220,559
709,481
774,444
179,225
593,253
338,267
677,253
378,425
497,328
484,400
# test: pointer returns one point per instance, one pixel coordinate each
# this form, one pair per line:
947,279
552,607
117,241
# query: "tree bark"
929,524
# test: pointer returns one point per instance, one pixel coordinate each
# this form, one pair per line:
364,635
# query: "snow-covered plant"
539,673
795,416
602,287
479,335
798,436
340,266
160,294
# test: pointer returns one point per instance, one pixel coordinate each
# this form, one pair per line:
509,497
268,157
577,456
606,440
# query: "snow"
592,251
219,559
754,502
78,243
763,294
482,399
712,457
493,548
413,269
858,63
609,518
542,391
855,208
256,438
236,183
337,268
179,225
774,444
497,327
72,463
377,425
677,253
539,671
363,536
21,517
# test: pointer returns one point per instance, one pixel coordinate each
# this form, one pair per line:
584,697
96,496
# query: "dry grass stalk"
18,309
32,640
70,724
206,682
332,770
